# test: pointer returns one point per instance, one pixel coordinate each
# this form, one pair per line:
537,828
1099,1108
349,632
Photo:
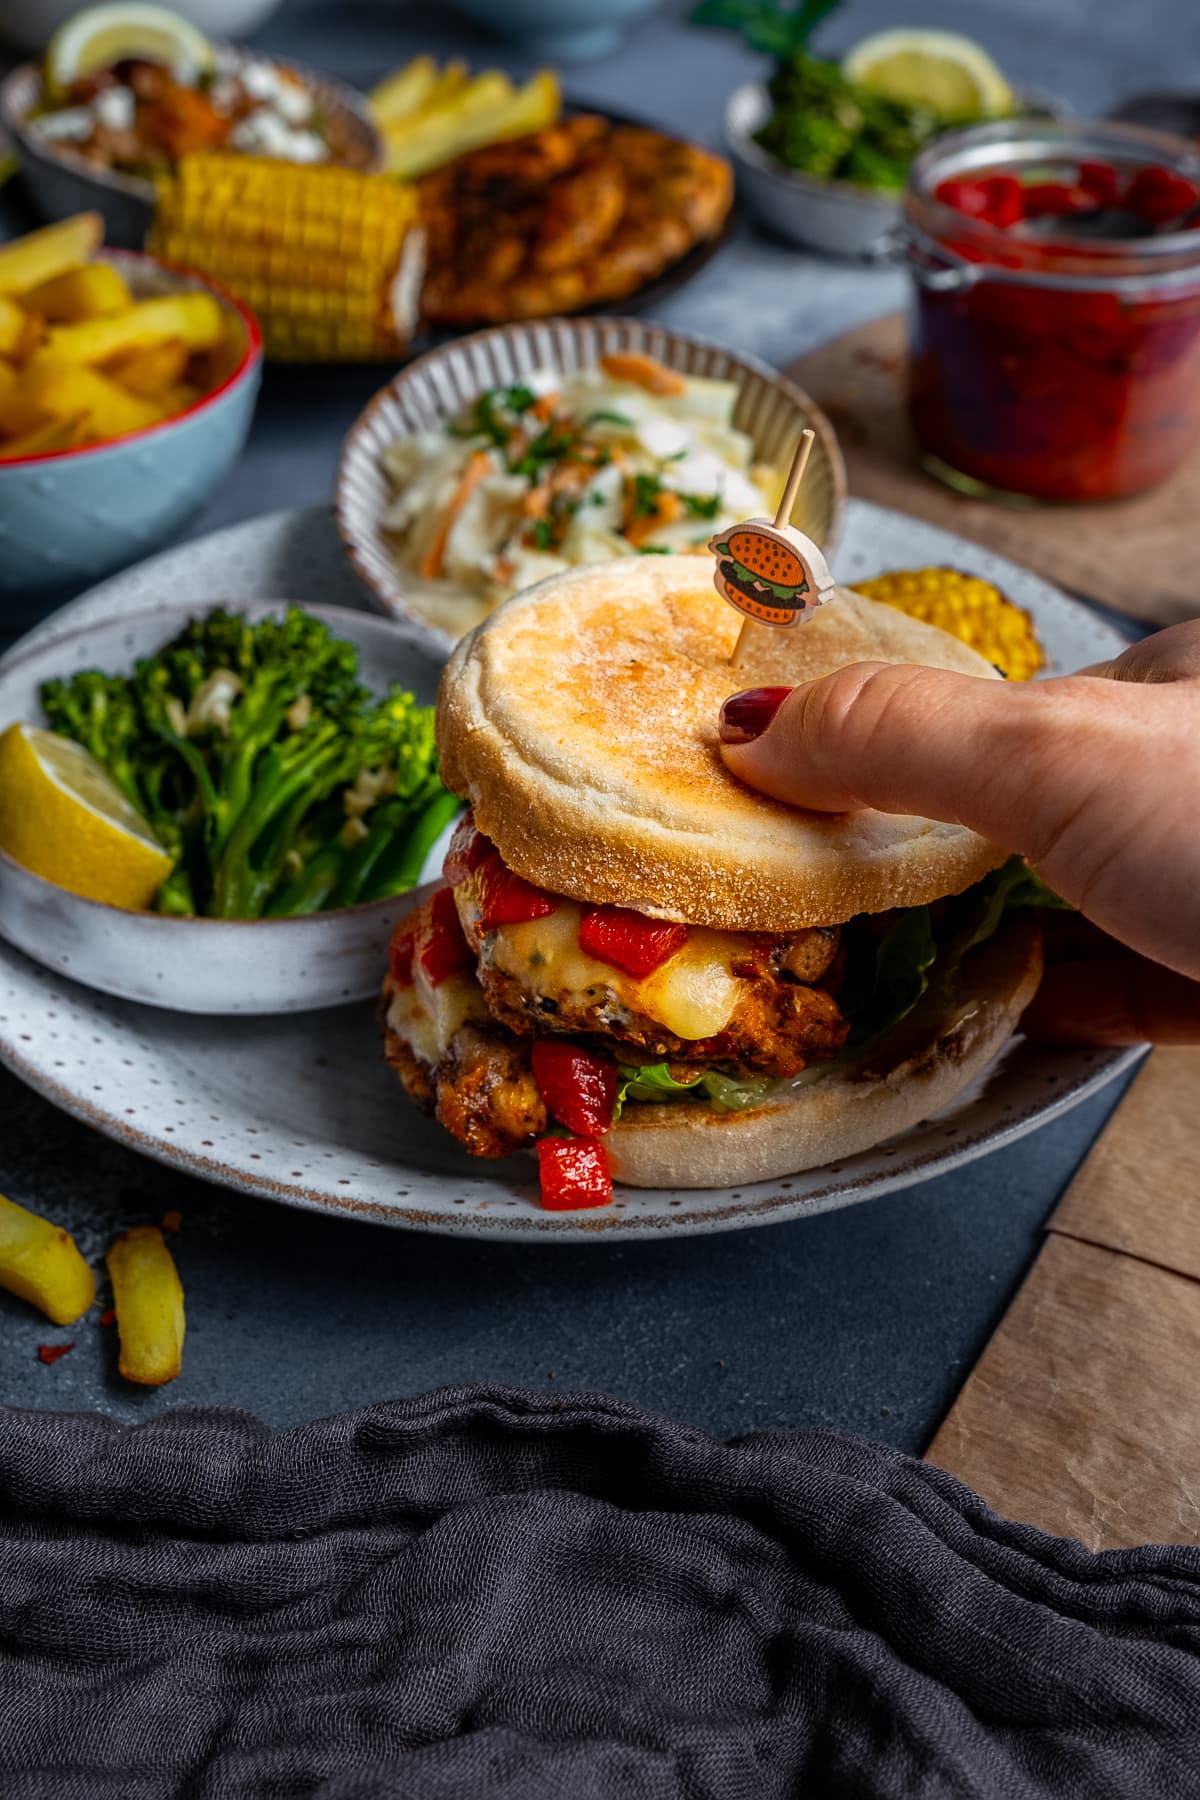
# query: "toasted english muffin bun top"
580,719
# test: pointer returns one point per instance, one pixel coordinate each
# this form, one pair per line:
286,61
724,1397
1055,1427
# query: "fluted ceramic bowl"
226,966
74,515
60,184
770,408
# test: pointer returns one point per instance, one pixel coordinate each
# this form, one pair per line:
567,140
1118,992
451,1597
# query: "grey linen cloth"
512,1596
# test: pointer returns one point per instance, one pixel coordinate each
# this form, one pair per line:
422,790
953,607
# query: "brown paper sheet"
1083,1413
1138,555
1139,1190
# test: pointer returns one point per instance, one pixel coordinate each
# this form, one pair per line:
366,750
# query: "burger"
642,969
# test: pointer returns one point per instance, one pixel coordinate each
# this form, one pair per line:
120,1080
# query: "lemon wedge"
945,73
63,816
102,35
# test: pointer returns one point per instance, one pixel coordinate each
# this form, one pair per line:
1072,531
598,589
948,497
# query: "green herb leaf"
701,506
767,25
606,418
647,491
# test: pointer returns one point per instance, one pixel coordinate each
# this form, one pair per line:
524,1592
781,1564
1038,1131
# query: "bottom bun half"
911,1075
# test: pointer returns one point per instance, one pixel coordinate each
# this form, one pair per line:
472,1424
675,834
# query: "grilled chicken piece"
482,1092
581,212
486,1094
578,215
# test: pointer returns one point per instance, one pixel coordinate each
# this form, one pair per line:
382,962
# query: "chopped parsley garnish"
647,492
606,418
484,418
549,446
701,506
543,534
653,550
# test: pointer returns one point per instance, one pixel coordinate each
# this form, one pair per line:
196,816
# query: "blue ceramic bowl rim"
250,360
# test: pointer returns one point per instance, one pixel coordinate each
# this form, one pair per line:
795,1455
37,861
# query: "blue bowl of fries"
125,397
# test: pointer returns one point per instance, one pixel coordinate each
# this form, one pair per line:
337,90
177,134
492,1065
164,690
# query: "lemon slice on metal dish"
945,73
102,35
63,817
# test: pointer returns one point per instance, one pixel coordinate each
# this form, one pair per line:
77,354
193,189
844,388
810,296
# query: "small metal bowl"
834,216
224,966
59,184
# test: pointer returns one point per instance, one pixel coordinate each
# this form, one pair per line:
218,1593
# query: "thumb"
906,739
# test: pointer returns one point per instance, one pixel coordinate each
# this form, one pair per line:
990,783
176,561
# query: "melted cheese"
693,995
427,1017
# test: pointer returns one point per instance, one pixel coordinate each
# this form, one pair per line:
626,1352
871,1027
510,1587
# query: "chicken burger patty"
740,1002
470,990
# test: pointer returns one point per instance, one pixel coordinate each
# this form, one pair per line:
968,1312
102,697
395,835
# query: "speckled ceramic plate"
303,1110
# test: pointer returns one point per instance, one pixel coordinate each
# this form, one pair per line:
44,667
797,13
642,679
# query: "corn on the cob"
968,608
328,258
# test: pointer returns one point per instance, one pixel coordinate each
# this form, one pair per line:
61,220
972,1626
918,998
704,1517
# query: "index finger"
1011,762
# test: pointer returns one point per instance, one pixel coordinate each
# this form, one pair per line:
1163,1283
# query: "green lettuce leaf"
653,1082
911,958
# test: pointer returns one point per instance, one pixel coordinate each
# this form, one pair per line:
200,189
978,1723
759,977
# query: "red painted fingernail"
746,716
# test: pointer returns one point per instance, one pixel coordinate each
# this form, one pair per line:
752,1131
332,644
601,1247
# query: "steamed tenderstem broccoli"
275,778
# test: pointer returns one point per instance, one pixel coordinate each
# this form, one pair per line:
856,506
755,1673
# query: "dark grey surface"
866,1319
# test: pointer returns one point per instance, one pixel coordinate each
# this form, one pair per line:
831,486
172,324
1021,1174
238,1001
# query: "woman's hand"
1094,778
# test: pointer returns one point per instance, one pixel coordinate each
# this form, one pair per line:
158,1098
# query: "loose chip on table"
39,1262
148,1298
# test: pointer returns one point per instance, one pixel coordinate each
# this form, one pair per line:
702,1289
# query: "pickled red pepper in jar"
1055,343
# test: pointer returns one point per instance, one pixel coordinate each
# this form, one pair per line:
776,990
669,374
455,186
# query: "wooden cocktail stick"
783,516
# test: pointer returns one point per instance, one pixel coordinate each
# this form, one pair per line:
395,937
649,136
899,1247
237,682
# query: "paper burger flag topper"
772,573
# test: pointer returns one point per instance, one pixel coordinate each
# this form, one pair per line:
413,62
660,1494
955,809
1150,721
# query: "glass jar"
1052,367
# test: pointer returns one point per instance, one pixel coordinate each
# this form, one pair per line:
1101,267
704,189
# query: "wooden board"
1083,1413
1138,555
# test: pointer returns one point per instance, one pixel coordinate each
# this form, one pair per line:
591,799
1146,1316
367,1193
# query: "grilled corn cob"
328,258
968,608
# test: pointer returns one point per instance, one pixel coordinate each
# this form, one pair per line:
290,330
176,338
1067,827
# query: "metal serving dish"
60,184
834,216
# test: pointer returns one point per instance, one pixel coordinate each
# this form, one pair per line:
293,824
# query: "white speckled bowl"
199,965
772,409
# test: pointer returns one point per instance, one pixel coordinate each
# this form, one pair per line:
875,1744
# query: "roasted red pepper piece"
574,1173
468,848
1159,195
629,940
1099,179
506,899
445,950
50,1353
997,199
401,952
1055,199
580,1089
